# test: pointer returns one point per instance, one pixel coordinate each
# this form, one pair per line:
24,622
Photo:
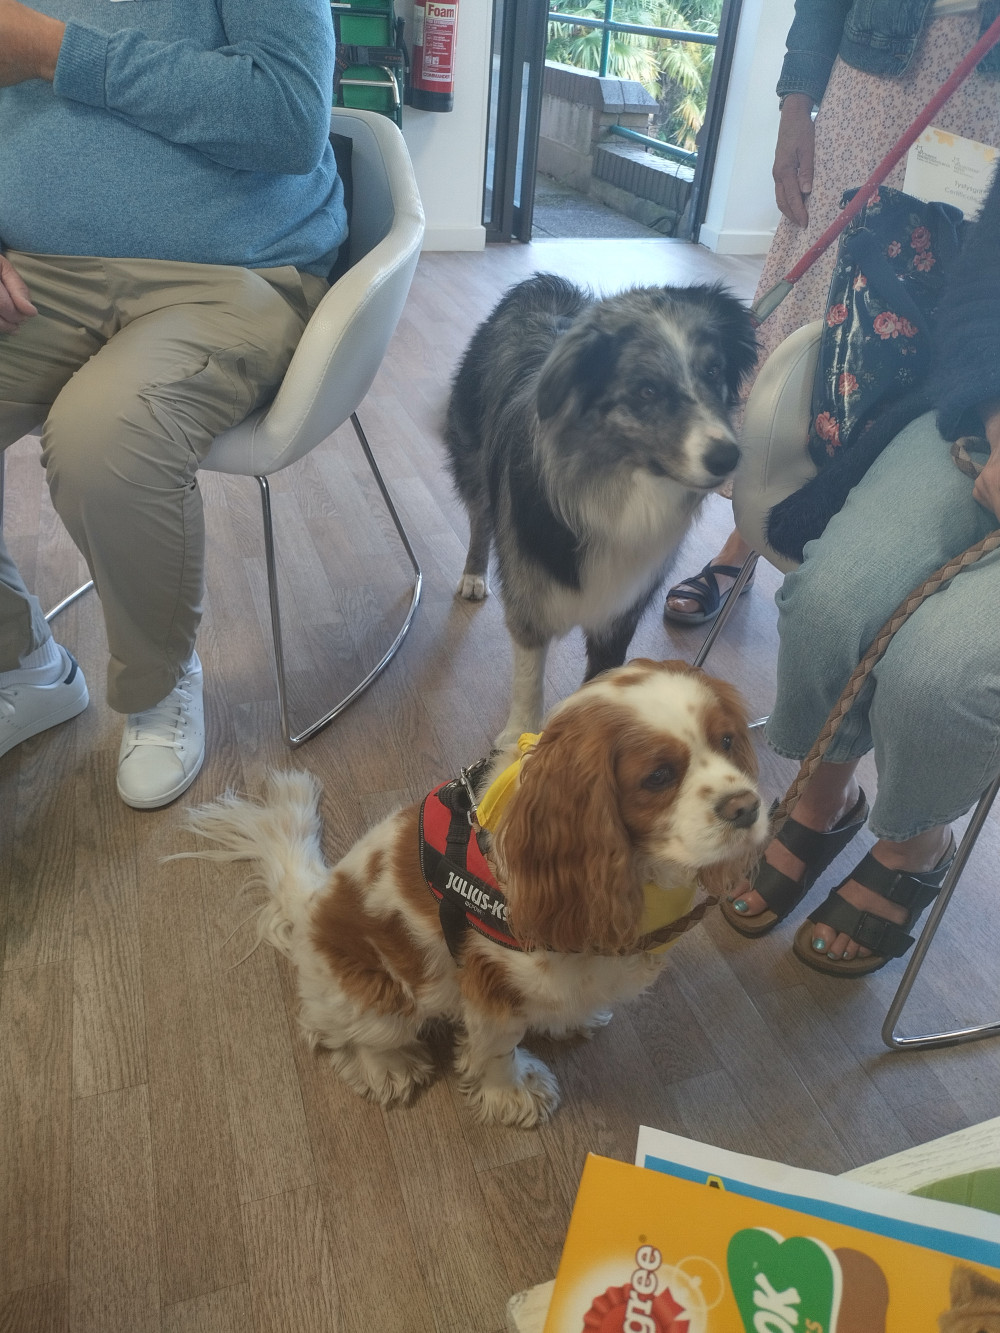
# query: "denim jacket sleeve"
812,44
877,36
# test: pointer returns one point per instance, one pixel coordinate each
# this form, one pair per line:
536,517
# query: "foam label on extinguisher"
437,37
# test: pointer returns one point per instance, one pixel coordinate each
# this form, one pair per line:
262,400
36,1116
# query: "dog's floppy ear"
583,360
566,859
731,325
720,878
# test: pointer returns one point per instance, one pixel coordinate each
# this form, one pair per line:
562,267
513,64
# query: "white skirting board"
454,238
730,242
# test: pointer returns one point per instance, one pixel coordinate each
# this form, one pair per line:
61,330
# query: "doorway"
521,34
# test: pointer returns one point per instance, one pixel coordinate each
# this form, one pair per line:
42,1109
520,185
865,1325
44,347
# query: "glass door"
519,37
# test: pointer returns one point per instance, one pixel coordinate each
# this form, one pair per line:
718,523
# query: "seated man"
169,212
930,707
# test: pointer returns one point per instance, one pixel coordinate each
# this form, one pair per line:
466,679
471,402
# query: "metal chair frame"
296,739
66,601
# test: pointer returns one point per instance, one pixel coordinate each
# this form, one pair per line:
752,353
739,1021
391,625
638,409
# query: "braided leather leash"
674,929
877,648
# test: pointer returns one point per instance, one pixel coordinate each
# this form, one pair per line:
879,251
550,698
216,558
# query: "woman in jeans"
870,66
930,707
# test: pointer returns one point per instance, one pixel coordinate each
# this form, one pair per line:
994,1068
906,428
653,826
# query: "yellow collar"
661,906
499,791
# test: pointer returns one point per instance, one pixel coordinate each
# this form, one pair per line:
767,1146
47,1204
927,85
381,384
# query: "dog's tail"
281,834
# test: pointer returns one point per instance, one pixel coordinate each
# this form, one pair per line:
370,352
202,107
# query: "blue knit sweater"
178,129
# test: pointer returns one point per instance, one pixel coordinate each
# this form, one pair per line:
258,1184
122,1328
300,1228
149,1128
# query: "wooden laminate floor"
172,1158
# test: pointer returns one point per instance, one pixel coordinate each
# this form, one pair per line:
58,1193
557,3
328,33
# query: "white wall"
741,215
448,148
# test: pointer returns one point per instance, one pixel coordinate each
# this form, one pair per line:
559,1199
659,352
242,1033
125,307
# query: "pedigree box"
688,1249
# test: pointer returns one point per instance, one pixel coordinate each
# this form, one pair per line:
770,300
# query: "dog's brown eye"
726,742
647,392
713,371
659,778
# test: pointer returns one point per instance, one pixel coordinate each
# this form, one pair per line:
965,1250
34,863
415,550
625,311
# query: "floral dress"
861,117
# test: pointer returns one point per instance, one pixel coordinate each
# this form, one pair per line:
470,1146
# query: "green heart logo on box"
784,1286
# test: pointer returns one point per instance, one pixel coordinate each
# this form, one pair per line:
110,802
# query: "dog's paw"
473,588
387,1077
508,738
525,1102
591,1025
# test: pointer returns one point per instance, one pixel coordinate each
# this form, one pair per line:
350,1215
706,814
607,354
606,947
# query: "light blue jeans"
931,705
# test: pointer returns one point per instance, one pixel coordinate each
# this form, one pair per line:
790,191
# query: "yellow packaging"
648,1252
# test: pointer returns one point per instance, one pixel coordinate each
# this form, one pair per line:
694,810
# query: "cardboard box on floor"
769,1249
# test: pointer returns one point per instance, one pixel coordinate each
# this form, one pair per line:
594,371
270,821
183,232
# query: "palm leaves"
676,73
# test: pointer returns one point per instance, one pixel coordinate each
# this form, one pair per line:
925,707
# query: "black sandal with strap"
884,938
782,893
703,589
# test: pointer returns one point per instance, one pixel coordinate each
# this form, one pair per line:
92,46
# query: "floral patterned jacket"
953,367
877,36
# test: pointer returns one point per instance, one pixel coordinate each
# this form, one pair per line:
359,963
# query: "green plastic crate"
371,58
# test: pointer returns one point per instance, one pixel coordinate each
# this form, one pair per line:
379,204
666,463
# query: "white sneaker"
26,708
163,747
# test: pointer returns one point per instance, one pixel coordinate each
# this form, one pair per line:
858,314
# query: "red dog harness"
456,871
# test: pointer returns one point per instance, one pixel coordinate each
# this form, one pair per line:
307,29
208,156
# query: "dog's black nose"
740,810
721,457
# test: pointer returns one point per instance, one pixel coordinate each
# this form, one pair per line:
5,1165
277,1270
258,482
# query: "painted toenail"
819,945
740,905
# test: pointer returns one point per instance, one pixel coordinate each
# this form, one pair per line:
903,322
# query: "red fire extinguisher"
432,69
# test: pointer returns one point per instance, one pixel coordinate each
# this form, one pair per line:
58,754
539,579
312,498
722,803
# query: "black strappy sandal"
885,939
702,588
782,893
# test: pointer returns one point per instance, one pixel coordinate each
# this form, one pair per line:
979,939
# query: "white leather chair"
775,460
776,463
334,365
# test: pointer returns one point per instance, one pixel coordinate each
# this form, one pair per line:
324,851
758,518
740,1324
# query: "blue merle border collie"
582,436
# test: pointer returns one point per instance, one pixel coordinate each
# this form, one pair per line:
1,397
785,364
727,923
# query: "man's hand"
15,304
29,44
987,485
793,158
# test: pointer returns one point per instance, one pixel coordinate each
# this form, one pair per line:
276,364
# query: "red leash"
771,299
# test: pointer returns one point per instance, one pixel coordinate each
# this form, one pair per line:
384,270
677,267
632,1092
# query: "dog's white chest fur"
629,541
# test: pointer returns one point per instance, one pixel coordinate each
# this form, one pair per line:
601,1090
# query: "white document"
951,1228
948,169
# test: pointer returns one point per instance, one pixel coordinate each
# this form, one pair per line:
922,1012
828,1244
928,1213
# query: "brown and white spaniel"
642,778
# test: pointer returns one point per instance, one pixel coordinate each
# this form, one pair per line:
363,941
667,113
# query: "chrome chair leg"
725,611
292,738
890,1035
73,596
727,608
68,601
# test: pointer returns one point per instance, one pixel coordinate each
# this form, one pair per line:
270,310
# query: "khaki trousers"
134,366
